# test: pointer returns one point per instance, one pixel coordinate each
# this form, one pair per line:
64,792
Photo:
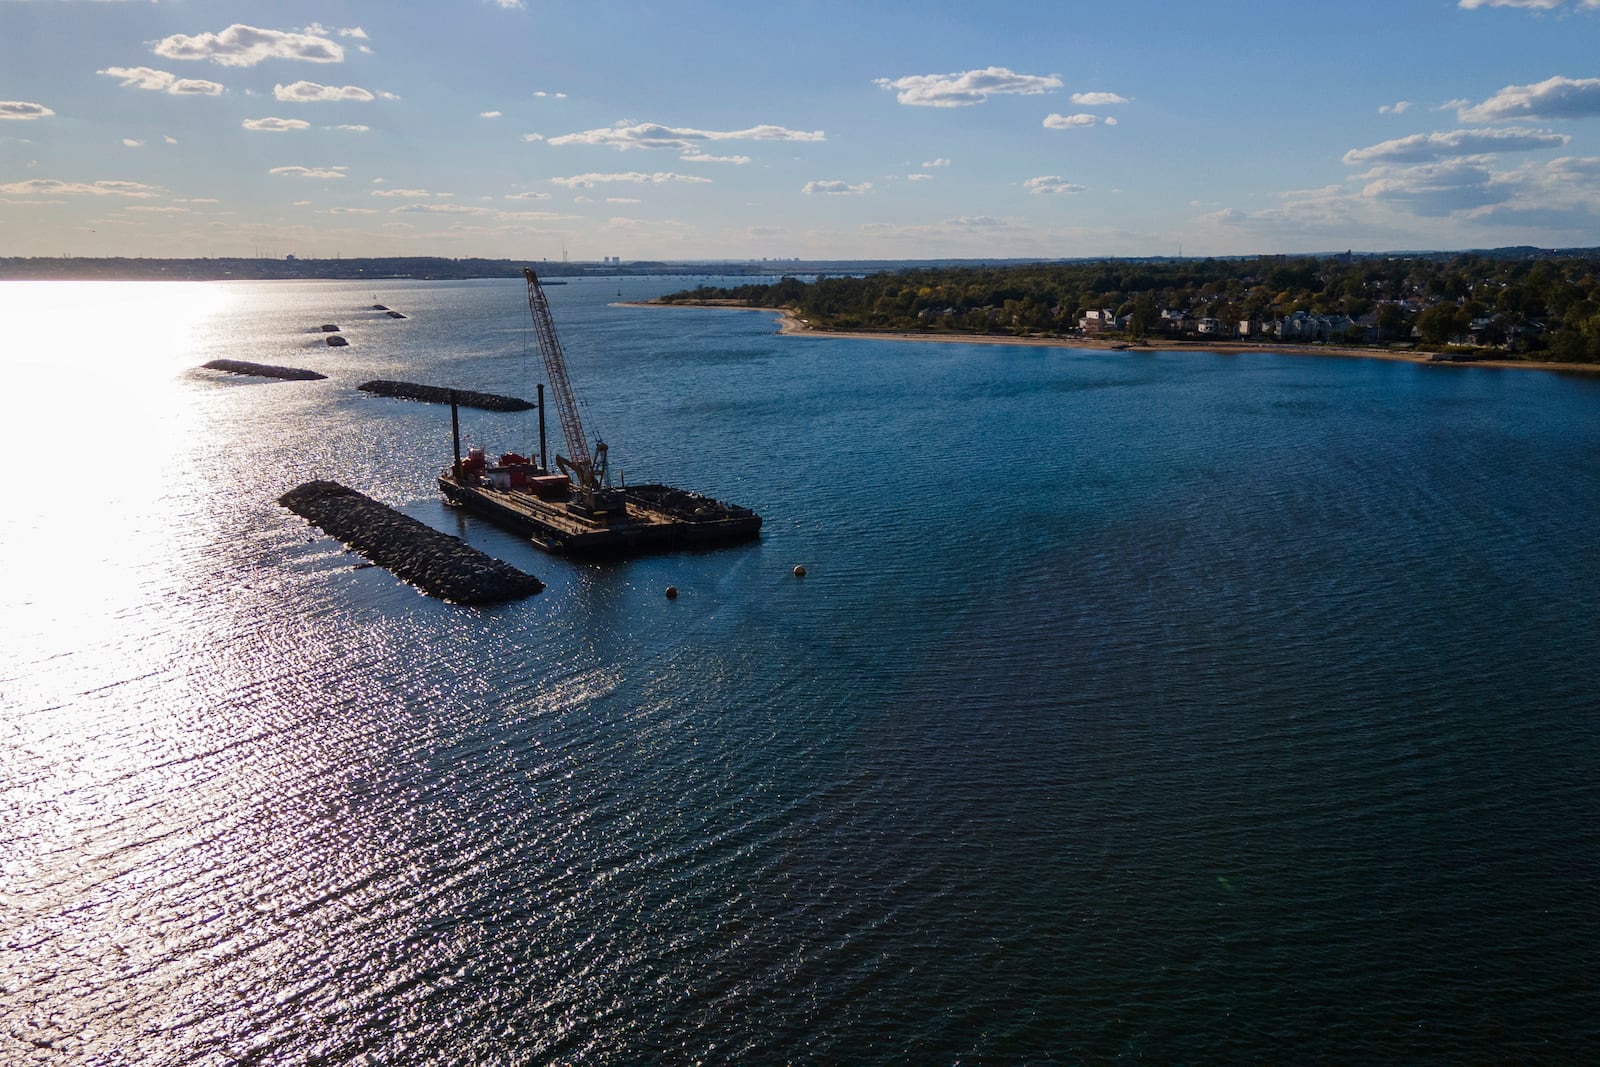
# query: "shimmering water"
1167,708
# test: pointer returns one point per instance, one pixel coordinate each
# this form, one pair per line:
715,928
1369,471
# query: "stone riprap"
436,394
264,370
438,564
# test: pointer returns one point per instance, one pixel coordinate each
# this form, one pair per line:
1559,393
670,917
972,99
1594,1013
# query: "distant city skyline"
522,129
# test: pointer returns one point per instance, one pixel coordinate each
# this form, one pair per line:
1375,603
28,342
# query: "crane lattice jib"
555,366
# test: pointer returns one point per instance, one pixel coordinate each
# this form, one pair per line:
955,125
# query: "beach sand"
791,324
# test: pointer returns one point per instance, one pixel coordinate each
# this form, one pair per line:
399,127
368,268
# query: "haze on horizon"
703,130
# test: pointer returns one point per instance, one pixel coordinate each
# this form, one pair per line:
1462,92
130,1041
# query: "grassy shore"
790,323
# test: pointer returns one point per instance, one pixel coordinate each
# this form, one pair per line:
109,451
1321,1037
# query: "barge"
522,498
575,509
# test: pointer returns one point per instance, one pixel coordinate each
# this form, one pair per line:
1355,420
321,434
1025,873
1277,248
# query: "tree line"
1533,306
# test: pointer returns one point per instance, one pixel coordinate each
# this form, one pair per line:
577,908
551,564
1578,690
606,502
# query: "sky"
813,129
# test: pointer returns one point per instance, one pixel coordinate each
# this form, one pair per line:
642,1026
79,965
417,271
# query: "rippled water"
1140,707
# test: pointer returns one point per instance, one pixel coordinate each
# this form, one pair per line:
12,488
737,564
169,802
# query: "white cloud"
406,194
585,181
932,163
533,138
550,96
310,172
1097,99
1399,107
1553,98
527,196
703,157
1538,5
22,109
917,176
245,46
489,114
1051,183
836,188
161,81
354,128
351,211
275,125
623,200
440,209
625,135
51,187
1436,189
304,92
129,142
964,89
1070,122
1425,147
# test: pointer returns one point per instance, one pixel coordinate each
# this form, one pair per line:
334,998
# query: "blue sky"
719,130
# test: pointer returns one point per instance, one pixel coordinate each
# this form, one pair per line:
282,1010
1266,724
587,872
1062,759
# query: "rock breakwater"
263,370
435,394
438,564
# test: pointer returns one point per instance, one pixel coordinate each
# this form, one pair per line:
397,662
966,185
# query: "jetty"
263,370
435,394
437,563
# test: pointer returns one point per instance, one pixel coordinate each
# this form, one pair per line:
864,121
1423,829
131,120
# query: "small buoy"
672,592
799,571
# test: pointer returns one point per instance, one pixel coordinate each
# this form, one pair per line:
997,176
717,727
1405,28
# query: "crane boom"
580,464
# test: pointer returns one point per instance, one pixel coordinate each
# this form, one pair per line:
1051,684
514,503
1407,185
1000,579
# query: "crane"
587,470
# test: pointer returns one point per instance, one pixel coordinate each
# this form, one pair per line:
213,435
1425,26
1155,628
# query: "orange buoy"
672,592
799,571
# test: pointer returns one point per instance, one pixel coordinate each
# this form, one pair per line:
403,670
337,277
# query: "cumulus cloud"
489,114
129,142
1070,122
625,135
1553,98
1051,183
245,46
22,109
586,181
1097,99
932,163
51,187
161,81
310,172
533,138
304,92
1433,190
354,128
1426,147
551,96
836,188
964,89
1399,107
528,196
918,176
275,125
407,194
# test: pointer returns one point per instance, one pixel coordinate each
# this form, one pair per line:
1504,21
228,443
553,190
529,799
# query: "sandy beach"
791,324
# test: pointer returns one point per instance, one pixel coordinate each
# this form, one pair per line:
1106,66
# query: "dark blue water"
1167,708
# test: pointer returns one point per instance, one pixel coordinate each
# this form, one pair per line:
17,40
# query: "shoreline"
790,324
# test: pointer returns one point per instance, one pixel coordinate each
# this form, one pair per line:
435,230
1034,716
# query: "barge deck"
654,518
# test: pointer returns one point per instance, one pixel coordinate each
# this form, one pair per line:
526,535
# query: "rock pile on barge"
438,564
264,370
435,394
